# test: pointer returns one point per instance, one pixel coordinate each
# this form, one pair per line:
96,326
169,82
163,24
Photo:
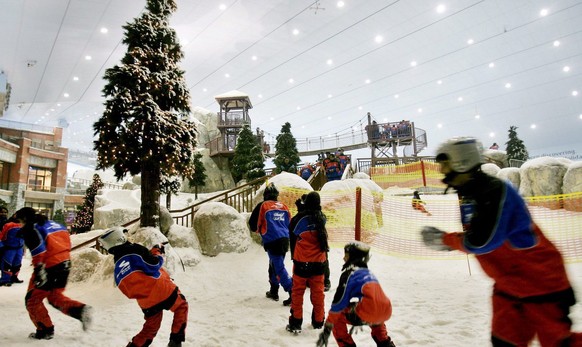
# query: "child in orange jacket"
139,275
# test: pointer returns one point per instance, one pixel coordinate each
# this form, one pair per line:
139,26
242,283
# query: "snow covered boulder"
185,244
496,157
573,184
510,174
116,207
86,263
361,176
290,187
166,220
490,169
221,229
543,177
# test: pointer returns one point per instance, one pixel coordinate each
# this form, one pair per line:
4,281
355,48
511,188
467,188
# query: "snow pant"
53,290
11,263
517,321
177,304
277,272
344,339
317,297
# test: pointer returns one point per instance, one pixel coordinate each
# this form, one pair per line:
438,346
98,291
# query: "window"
41,208
39,179
4,175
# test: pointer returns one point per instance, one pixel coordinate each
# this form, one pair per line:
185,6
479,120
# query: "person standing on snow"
532,295
50,246
139,275
373,307
309,247
11,252
270,218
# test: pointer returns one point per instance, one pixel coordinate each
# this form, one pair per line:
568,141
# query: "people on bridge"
306,171
332,168
494,146
288,166
343,159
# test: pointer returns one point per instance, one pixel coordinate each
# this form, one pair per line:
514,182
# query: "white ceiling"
55,36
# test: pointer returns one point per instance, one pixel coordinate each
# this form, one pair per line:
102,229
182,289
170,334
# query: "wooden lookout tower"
233,115
386,138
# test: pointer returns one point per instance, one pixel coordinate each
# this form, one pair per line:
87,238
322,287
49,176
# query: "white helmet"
113,237
463,153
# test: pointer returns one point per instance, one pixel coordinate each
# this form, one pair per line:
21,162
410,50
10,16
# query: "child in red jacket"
139,275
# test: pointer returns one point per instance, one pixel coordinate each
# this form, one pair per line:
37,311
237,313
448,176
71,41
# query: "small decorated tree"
515,147
84,218
248,161
198,179
286,147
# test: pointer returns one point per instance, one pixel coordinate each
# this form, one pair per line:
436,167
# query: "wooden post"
358,222
423,173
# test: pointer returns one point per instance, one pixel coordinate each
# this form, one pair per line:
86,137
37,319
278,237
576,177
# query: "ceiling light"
295,31
460,98
367,81
566,69
492,65
413,63
272,118
66,95
574,93
378,38
298,108
222,7
330,96
533,126
439,125
104,30
441,8
439,82
58,105
580,116
88,57
46,114
360,108
204,89
329,62
75,78
470,41
491,134
291,80
543,12
340,4
556,43
329,118
254,57
396,96
419,110
226,75
477,116
508,85
260,96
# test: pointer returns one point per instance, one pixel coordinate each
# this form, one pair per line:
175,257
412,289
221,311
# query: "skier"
11,250
309,247
373,307
139,275
532,295
50,246
271,219
418,204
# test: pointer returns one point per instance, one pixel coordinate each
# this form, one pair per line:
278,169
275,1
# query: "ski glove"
433,238
40,276
323,339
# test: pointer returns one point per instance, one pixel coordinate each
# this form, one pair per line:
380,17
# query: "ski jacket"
332,169
139,275
306,171
373,308
270,219
49,243
307,250
11,236
510,247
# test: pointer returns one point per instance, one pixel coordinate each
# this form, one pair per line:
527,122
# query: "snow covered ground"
436,303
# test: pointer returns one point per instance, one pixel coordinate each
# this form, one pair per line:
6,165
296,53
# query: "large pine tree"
286,147
248,161
144,128
514,146
84,217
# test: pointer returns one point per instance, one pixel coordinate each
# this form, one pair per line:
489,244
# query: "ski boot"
272,294
43,334
294,325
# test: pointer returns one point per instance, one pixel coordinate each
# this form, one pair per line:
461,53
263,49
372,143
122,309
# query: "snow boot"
287,302
174,343
15,279
272,294
5,284
86,317
315,324
386,343
294,325
43,334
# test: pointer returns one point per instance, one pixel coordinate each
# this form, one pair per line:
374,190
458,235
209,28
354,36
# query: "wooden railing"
240,198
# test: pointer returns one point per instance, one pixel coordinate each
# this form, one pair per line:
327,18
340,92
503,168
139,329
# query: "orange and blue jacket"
270,219
139,275
510,247
11,236
373,308
49,243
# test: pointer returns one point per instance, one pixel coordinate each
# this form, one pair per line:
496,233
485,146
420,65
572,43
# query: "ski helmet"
312,201
26,214
113,237
463,153
271,192
358,253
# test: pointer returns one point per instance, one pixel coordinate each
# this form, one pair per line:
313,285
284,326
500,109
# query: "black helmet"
271,192
312,201
358,254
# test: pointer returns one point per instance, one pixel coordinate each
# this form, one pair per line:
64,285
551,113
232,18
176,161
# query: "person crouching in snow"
139,275
372,309
418,204
50,246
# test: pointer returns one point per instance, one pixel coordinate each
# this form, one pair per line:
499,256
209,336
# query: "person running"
309,247
532,294
373,307
270,218
139,275
50,246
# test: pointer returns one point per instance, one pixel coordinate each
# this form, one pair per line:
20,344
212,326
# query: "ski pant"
516,321
344,339
277,272
11,262
53,291
317,297
177,304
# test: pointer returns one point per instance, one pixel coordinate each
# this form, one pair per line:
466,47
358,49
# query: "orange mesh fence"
417,174
392,226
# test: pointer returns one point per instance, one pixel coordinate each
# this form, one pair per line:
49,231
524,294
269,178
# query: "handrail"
238,201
